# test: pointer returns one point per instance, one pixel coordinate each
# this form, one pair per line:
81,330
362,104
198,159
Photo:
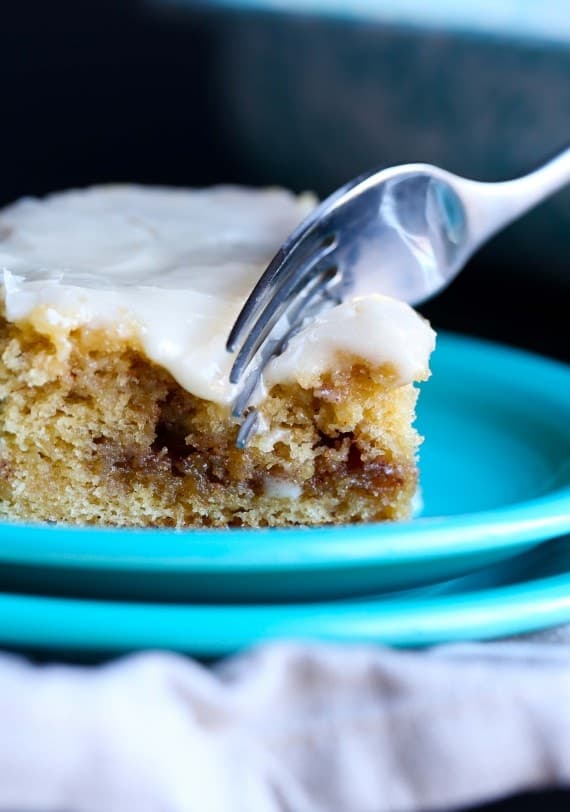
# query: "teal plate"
529,592
495,478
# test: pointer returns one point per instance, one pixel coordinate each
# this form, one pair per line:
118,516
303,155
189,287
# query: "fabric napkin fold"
295,727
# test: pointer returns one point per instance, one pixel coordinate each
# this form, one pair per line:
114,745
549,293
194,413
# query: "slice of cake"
115,306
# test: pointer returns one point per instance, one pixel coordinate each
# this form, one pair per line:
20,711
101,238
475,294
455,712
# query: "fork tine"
305,235
241,402
298,308
274,309
247,429
319,296
311,299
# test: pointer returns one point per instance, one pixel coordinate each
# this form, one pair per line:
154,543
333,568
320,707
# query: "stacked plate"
488,556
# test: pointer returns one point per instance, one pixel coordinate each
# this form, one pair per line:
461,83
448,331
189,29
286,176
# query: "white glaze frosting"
173,267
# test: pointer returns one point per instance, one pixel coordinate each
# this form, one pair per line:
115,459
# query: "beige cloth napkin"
288,728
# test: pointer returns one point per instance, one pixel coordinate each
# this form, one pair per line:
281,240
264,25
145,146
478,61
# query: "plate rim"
289,549
205,630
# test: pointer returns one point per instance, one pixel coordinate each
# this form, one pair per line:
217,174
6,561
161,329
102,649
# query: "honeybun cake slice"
116,303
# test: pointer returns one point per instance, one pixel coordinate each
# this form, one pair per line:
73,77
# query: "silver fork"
405,231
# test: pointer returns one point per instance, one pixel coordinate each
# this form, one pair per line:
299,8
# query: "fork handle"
495,205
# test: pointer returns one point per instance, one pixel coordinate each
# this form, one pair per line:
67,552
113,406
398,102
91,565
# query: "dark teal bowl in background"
309,93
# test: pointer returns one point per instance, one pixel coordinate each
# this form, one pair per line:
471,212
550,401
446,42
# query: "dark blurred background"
185,93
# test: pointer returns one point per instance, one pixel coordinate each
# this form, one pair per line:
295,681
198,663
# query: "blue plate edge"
509,610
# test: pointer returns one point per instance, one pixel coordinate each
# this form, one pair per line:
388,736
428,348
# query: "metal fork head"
405,231
311,252
387,231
